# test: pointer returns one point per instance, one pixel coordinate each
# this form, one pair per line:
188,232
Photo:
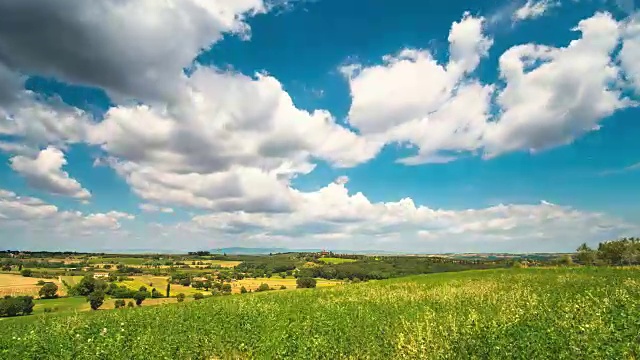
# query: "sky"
410,126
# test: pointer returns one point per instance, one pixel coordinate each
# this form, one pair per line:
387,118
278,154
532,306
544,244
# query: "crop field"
275,282
16,285
563,313
330,260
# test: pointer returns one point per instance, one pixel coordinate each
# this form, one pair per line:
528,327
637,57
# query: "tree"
140,296
305,282
155,293
198,296
26,273
96,299
119,303
143,288
180,297
168,289
586,255
282,287
86,286
112,277
243,290
48,291
130,304
6,267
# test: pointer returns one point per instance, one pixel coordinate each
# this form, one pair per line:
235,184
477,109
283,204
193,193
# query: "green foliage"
198,296
168,289
96,299
119,303
26,272
226,288
305,282
282,287
130,304
87,285
180,297
243,290
15,306
48,291
263,287
140,296
558,313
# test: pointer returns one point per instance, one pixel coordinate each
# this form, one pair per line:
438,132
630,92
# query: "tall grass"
572,313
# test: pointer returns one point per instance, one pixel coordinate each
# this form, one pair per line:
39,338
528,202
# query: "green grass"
62,304
330,260
565,313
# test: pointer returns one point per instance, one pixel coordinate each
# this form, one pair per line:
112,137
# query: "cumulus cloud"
533,9
234,143
412,98
34,214
548,100
630,52
444,111
45,172
333,217
135,49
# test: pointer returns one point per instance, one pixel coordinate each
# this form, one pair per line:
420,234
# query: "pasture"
330,260
561,313
275,282
16,285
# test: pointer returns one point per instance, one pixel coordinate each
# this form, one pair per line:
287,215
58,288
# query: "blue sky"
407,126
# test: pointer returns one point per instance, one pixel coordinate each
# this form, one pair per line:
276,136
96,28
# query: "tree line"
625,251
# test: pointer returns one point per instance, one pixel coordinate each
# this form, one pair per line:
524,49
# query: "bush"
119,303
180,297
48,291
198,296
130,304
282,287
305,282
226,288
26,273
96,299
263,287
14,306
243,290
40,282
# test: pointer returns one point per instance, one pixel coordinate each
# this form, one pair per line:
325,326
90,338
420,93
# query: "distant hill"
261,251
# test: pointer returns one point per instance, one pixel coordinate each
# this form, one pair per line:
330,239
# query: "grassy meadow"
560,313
332,260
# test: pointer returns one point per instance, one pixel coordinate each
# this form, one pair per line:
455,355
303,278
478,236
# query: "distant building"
100,275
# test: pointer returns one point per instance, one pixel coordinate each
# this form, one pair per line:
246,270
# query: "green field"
330,260
562,313
118,260
62,304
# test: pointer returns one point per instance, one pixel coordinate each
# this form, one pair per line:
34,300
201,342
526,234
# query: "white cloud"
548,100
135,49
45,172
442,110
533,9
630,52
235,142
334,218
33,214
155,208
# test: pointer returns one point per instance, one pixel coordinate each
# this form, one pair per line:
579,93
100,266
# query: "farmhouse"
100,275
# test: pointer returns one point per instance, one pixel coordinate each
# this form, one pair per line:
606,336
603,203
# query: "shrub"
243,290
263,287
305,282
119,303
130,304
226,288
26,273
14,306
198,296
40,282
282,287
180,297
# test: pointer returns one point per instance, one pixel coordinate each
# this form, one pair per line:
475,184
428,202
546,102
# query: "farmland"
14,285
332,260
563,313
